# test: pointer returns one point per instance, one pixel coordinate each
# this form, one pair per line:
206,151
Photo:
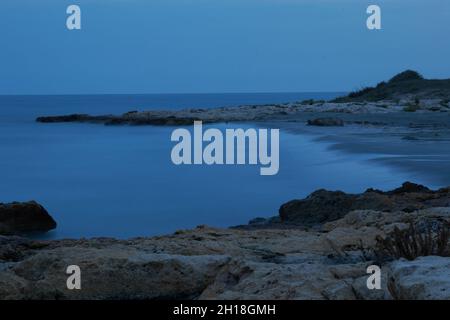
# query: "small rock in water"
326,122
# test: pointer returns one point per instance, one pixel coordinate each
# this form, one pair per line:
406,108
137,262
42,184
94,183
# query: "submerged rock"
18,218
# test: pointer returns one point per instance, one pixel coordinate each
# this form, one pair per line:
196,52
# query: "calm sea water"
119,180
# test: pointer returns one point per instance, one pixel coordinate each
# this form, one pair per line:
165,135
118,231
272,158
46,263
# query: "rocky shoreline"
407,92
300,256
256,113
316,248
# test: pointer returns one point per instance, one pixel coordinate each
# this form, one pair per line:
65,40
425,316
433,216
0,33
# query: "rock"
339,291
361,291
111,273
18,218
319,207
409,187
258,220
213,263
326,122
75,118
324,206
261,281
426,278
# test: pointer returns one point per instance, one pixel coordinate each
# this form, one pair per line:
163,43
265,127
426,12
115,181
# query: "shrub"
308,102
414,242
406,75
359,93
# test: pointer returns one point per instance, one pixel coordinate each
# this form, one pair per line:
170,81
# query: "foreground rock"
323,206
425,278
18,218
211,263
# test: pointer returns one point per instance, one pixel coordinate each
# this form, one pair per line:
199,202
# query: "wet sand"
415,143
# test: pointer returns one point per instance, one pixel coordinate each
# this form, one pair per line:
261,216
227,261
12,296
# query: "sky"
214,46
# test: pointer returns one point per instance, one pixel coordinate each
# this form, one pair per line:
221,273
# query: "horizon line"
168,93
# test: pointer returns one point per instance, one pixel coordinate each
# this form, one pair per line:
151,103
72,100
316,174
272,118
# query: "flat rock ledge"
248,113
211,263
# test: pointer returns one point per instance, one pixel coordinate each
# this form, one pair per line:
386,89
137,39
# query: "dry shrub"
415,242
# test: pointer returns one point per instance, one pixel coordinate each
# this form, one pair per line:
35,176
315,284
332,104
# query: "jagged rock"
426,278
17,218
211,263
361,291
252,280
324,206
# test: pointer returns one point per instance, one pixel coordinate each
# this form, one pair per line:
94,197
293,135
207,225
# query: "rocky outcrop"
323,206
113,272
426,278
18,218
131,118
407,84
326,122
292,112
211,263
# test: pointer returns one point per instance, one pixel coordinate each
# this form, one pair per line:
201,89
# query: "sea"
119,181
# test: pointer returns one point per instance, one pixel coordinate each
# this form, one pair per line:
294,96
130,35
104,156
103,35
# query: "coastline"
281,112
326,261
410,141
319,247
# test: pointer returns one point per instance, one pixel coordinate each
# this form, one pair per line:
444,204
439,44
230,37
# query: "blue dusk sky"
212,46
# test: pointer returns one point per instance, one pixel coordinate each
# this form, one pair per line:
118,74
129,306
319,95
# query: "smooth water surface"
119,181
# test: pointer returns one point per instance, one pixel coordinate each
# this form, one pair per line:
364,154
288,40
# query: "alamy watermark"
74,280
236,146
73,21
374,280
374,20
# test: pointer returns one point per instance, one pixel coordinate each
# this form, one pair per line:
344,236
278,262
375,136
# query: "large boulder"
320,206
324,206
24,217
426,278
115,272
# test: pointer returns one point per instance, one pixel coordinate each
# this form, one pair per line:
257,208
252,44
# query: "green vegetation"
403,84
308,102
311,102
